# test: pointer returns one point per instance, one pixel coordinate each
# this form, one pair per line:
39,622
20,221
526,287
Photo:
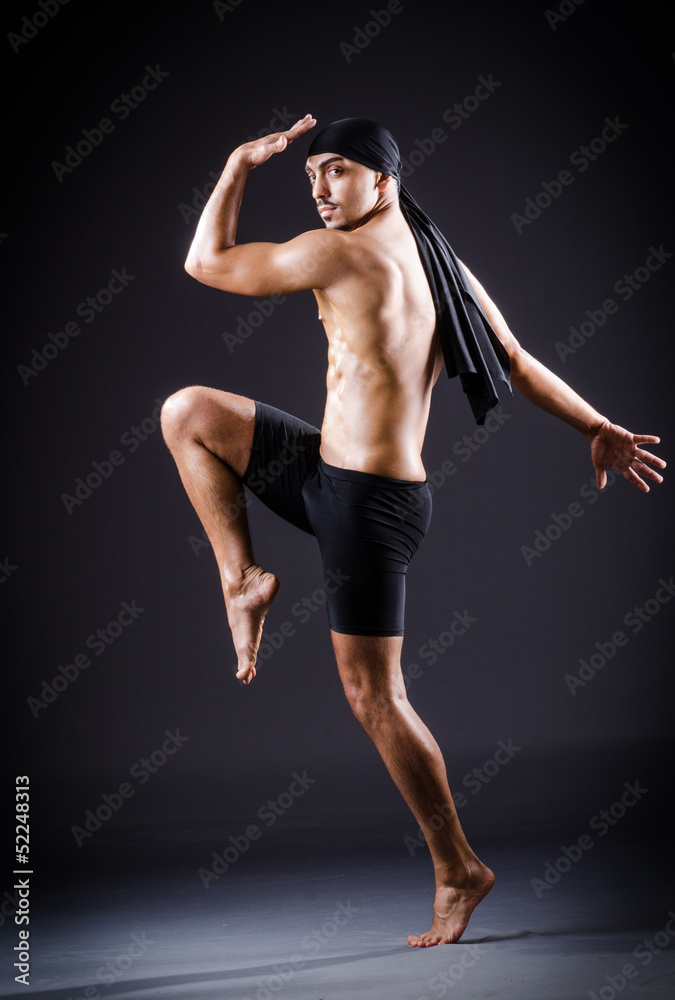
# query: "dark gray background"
120,208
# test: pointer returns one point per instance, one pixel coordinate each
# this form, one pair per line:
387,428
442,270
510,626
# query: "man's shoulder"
327,246
330,238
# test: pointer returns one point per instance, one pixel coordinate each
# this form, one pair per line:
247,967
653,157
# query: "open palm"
614,446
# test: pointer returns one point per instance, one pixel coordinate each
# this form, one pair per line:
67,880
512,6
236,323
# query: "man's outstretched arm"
611,445
308,261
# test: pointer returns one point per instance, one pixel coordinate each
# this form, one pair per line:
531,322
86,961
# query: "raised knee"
180,412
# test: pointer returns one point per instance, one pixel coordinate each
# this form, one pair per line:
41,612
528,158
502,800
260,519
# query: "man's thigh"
284,454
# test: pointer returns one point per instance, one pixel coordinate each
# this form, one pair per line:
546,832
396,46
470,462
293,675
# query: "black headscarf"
471,348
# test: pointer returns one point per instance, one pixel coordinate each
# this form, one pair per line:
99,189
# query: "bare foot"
247,602
452,908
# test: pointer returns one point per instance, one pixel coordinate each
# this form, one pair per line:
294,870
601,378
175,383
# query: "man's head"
353,166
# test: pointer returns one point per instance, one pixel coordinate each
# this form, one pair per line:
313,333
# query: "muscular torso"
383,355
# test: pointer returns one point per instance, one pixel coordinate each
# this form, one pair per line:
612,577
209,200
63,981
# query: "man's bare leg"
210,434
370,669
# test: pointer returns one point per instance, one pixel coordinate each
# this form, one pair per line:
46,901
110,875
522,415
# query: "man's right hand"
252,154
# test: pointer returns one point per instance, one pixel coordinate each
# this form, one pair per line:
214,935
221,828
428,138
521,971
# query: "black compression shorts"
368,527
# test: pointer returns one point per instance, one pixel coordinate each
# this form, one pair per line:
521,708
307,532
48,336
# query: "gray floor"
328,921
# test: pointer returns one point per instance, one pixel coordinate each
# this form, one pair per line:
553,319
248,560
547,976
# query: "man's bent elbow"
192,263
520,362
199,269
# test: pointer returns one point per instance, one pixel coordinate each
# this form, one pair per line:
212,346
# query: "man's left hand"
614,446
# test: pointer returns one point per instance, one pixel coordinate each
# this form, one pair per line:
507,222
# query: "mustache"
321,203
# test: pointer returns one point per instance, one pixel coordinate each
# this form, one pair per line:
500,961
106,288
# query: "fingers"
646,456
644,470
634,470
300,127
637,465
632,477
258,151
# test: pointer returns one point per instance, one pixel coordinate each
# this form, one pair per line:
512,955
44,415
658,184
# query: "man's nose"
321,189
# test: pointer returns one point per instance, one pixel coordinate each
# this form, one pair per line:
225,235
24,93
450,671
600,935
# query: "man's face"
344,191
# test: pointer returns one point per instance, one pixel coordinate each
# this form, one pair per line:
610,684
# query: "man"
389,291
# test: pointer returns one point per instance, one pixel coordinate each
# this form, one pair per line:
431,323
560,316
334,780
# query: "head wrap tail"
471,348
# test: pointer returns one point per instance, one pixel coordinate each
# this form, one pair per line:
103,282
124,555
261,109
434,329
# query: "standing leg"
370,669
210,434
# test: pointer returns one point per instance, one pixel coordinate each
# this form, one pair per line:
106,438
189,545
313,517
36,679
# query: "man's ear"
383,181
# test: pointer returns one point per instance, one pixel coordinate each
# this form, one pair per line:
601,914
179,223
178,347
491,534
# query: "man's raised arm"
611,445
255,268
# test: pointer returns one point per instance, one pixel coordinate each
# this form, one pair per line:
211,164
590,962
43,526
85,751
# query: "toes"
422,941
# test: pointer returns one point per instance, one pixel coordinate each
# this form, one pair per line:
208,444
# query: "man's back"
383,354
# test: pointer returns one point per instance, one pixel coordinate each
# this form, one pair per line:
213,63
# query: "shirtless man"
383,360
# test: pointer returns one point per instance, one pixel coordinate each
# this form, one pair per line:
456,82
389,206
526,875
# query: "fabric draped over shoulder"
471,348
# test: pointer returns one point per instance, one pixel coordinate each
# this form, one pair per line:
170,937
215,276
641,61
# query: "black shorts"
368,527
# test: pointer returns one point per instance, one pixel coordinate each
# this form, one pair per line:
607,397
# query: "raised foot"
452,908
247,602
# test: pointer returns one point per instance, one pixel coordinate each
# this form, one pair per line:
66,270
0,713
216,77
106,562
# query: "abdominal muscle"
379,382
